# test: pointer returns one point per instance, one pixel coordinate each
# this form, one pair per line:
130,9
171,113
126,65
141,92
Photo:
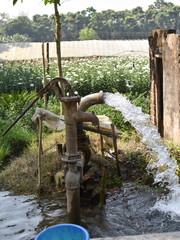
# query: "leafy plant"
115,116
175,153
16,98
4,151
114,181
53,104
13,142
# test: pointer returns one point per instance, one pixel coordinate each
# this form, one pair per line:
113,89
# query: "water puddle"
19,217
162,166
127,212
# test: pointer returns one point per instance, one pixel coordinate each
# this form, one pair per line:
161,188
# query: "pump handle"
54,84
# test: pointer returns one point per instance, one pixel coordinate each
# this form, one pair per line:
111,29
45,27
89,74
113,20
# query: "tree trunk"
58,45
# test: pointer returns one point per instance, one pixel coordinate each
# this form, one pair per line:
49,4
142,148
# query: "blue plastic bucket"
64,232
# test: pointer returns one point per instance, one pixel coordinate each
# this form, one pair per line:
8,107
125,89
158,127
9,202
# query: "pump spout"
80,116
91,99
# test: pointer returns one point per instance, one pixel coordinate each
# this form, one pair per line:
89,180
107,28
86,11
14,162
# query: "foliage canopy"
108,24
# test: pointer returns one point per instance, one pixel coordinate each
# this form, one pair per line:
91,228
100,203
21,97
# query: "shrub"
13,143
85,75
13,104
18,77
115,116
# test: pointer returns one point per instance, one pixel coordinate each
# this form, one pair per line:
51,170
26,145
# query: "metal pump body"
72,157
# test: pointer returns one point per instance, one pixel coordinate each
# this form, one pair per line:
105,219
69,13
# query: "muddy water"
127,212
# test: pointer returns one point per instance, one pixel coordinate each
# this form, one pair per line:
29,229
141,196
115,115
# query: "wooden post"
103,185
101,140
115,149
39,150
44,76
47,57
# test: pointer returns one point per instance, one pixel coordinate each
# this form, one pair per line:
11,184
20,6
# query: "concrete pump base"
154,236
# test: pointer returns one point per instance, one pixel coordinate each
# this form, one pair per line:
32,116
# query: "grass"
85,76
21,175
13,143
20,82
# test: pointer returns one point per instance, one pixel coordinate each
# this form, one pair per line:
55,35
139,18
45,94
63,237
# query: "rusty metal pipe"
80,116
89,100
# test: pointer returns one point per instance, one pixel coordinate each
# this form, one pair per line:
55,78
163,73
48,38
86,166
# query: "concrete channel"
154,236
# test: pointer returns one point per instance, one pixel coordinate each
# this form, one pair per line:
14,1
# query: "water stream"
162,166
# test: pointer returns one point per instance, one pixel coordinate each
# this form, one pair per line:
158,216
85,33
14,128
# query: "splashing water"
162,166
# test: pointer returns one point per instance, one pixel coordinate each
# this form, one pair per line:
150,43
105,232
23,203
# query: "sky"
32,7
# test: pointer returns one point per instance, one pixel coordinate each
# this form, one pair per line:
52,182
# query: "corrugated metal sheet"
27,51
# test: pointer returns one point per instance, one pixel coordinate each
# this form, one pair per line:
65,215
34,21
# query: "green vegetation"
127,24
175,153
20,82
12,145
86,76
22,76
88,34
114,181
12,105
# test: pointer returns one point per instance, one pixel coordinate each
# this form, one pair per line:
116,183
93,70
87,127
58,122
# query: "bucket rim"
65,225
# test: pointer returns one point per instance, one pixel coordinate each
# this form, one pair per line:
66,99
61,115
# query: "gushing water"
161,165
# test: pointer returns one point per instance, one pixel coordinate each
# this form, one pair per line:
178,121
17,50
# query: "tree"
174,14
15,38
44,28
3,21
131,23
158,4
57,35
107,24
88,34
58,39
21,25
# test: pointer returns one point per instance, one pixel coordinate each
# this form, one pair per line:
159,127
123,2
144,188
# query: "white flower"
76,93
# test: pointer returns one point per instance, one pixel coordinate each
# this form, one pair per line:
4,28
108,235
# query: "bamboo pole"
103,186
39,150
47,57
44,76
115,149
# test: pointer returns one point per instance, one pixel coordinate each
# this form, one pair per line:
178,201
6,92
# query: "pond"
127,212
